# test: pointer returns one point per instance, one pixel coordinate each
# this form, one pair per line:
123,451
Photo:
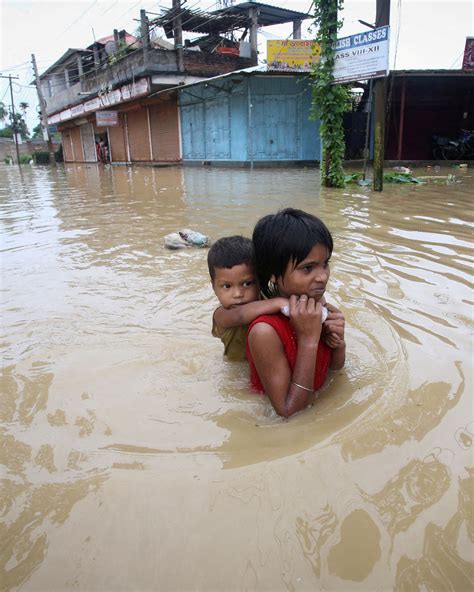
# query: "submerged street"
138,459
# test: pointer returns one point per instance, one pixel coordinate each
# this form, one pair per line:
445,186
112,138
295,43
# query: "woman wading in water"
289,358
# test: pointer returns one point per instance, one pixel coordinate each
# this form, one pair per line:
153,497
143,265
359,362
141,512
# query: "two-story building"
117,98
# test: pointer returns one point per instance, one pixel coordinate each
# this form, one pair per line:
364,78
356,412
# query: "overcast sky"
424,33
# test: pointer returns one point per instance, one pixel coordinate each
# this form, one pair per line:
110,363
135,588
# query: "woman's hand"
333,335
305,317
334,327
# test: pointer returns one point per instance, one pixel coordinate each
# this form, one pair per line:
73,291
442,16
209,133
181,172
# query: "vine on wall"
330,100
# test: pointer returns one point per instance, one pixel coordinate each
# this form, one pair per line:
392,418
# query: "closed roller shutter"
118,150
67,146
138,136
88,142
165,131
78,154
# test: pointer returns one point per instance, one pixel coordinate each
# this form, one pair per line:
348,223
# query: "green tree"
3,111
330,100
37,132
16,123
6,132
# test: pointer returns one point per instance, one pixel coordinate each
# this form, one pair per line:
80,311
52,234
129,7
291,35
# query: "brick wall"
206,64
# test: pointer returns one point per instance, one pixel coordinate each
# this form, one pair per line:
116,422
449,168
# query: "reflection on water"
120,415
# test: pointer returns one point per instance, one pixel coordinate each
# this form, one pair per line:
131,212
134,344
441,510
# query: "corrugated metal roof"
64,58
227,19
263,69
267,14
432,72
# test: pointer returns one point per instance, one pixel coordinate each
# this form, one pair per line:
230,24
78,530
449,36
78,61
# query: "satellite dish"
110,47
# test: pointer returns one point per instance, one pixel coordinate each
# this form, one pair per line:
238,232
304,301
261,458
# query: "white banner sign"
362,56
125,93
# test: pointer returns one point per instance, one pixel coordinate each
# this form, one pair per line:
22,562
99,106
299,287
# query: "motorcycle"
462,148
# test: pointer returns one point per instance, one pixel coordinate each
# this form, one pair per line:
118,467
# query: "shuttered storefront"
88,142
218,129
68,149
165,131
276,127
117,137
192,121
138,135
72,145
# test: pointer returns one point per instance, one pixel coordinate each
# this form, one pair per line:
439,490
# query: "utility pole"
144,33
253,15
10,78
178,34
44,117
382,19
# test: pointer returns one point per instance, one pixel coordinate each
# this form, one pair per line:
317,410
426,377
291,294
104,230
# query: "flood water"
137,459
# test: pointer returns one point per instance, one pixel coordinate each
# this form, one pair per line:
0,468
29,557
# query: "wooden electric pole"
382,19
44,117
14,122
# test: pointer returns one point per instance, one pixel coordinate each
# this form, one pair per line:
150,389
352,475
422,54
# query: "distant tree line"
17,123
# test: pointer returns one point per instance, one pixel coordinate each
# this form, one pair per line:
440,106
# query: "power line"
78,18
459,56
399,10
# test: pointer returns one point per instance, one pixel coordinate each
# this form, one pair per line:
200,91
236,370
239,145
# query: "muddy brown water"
136,458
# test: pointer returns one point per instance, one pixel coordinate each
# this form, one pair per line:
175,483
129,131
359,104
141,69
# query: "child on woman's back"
231,265
290,357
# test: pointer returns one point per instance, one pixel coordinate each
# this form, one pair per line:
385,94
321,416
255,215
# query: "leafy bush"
59,154
41,157
25,158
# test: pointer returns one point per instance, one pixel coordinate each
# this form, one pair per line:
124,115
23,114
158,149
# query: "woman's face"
309,277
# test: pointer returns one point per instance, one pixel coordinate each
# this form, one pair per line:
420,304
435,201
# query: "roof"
267,14
198,21
227,19
64,58
261,70
432,72
129,39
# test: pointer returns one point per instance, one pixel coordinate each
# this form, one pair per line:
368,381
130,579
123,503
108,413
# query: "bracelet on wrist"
305,388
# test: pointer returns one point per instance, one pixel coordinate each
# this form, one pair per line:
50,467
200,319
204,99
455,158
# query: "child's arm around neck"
244,314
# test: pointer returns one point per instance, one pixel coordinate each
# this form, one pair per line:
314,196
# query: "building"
426,103
111,94
251,116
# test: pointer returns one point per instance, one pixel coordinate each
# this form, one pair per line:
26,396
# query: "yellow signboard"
293,54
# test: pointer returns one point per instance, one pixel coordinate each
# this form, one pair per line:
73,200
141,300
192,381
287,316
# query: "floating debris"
186,238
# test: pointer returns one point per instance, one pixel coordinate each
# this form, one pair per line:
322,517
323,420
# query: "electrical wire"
138,40
104,61
78,18
153,27
4,94
17,67
399,26
451,67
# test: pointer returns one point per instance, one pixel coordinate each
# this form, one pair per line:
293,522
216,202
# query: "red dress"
287,336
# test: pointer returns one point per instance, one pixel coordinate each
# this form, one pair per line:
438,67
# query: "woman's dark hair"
288,235
229,251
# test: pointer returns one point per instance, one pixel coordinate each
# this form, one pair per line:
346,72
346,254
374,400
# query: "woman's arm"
288,392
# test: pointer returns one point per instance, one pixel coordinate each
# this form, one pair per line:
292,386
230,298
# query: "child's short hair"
229,251
288,235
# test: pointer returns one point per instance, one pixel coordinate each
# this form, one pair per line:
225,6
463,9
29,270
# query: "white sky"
424,33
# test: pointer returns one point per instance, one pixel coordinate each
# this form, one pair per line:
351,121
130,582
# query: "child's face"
309,277
235,286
